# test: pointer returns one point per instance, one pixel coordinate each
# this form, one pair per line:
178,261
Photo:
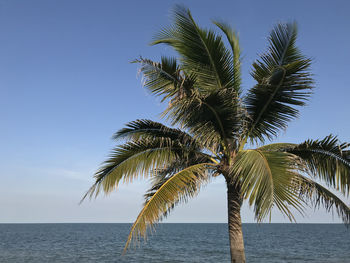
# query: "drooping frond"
182,185
310,190
327,159
151,146
160,176
202,51
129,161
283,82
136,159
266,179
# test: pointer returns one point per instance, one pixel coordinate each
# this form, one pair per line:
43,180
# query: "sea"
173,243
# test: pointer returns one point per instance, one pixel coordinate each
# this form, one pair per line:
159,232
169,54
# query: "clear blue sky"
67,85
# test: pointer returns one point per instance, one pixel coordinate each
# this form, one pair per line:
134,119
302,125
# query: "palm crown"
202,87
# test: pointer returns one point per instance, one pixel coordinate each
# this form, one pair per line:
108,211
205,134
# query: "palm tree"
216,125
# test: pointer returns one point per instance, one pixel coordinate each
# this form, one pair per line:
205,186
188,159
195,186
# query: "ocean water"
173,243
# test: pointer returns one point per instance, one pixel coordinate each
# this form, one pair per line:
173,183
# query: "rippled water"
173,243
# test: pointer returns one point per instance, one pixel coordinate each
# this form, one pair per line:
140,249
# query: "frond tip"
266,180
318,195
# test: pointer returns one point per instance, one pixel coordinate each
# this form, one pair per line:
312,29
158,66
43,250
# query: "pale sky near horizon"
67,85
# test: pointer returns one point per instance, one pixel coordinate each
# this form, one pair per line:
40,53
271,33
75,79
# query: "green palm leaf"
213,119
283,81
142,129
166,79
236,53
202,52
152,146
129,161
327,159
213,107
266,179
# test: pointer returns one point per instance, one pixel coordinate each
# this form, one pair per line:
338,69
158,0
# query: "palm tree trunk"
234,203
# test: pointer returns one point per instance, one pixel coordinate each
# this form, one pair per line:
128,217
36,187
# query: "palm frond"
312,191
216,112
211,119
203,90
165,78
327,159
160,176
202,52
141,129
182,185
265,178
135,159
277,146
283,82
232,38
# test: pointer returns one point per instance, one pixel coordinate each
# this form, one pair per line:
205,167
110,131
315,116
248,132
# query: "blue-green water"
173,243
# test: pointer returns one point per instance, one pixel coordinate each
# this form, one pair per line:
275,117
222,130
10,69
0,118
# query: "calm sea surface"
173,243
